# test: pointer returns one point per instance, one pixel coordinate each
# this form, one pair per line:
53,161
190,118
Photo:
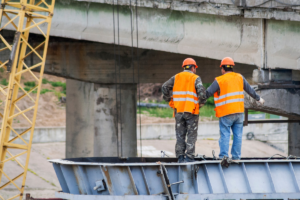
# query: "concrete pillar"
294,139
112,125
79,119
101,119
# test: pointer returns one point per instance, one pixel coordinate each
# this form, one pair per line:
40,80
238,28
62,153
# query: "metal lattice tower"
25,57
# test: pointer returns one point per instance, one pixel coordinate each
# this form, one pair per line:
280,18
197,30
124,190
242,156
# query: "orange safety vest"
184,93
230,99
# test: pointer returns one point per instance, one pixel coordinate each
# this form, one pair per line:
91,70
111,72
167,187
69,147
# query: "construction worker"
185,94
228,91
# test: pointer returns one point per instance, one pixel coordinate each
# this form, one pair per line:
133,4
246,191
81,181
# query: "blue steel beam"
249,179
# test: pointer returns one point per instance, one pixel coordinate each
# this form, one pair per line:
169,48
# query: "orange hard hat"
227,61
189,61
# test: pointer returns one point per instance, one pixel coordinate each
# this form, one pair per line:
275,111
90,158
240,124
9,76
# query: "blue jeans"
235,122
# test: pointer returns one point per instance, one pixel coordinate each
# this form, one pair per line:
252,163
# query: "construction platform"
137,178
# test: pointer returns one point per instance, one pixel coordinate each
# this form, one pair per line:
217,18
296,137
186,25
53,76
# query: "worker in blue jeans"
228,91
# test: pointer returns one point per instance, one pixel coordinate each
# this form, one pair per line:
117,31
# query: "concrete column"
101,119
112,125
79,119
294,139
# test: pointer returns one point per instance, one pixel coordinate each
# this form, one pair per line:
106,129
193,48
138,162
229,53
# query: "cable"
213,154
138,82
131,24
291,156
277,155
116,86
120,91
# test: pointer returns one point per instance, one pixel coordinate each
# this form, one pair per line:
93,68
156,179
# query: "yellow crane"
23,16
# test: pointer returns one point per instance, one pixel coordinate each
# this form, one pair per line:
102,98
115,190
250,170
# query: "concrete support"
79,119
114,125
294,139
284,102
101,120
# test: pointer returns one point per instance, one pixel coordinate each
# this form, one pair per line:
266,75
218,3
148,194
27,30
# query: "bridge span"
264,33
94,45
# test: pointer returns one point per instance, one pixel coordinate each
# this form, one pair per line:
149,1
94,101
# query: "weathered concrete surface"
95,125
112,124
79,119
189,33
282,42
294,139
284,102
103,63
212,29
42,134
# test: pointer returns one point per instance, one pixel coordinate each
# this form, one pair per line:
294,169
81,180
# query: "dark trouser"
186,125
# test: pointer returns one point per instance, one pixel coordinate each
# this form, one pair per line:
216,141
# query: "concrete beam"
101,119
284,102
106,63
211,28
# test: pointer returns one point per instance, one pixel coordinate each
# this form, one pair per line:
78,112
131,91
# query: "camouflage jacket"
167,89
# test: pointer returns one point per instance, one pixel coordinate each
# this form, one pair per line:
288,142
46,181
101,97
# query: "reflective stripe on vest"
187,92
230,98
228,95
229,101
185,99
185,96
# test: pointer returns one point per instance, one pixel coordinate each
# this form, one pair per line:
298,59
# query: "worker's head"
192,68
190,64
226,68
227,65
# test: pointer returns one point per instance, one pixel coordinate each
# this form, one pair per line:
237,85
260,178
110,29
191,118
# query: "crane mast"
24,56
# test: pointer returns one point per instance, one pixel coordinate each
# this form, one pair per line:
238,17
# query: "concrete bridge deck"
257,32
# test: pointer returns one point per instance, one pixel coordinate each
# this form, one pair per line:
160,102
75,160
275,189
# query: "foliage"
206,85
56,84
27,88
59,94
156,112
208,111
45,90
44,81
30,84
210,100
4,82
205,111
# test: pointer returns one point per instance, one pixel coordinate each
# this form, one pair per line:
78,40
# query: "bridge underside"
101,90
252,32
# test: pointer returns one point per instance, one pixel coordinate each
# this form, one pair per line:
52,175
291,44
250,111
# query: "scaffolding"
25,57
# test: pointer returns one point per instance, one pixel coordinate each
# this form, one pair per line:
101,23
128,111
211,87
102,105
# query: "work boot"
189,159
181,159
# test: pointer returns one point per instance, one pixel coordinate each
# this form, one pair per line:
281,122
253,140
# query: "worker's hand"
171,103
261,101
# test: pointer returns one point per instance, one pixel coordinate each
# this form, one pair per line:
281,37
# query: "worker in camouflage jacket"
186,95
